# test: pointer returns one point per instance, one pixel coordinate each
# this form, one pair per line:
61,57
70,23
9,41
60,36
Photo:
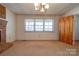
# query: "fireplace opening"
0,37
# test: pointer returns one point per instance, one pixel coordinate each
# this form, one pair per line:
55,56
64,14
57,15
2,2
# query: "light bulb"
42,10
46,6
36,8
36,4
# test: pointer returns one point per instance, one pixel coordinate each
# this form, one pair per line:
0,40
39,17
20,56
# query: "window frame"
25,26
43,25
35,26
52,25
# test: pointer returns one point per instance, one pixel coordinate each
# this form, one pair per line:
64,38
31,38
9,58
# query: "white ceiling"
28,8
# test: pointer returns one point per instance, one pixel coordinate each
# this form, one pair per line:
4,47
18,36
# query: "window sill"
39,31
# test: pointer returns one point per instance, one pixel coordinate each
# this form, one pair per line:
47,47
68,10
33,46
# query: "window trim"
43,25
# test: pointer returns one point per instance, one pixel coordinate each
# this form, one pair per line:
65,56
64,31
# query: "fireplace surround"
3,44
3,24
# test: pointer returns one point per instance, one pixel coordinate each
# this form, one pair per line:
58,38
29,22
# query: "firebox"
0,37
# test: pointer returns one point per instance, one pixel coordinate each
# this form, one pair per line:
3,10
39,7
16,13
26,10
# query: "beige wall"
74,11
22,35
10,29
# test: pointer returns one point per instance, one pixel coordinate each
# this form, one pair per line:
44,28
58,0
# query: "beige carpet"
41,48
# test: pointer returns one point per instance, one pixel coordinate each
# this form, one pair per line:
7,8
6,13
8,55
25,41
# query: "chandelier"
42,7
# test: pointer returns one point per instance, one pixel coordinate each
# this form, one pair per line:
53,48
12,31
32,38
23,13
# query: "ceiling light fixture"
42,7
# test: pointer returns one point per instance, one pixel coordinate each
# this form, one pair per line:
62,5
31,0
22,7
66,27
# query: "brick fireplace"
3,44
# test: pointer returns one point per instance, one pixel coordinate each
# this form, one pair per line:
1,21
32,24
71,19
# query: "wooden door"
70,29
61,29
66,29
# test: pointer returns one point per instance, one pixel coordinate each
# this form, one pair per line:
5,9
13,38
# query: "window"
29,25
48,25
37,25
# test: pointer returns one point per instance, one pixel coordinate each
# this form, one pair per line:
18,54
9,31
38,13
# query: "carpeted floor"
41,48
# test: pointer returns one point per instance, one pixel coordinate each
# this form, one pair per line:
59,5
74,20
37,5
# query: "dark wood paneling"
2,12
